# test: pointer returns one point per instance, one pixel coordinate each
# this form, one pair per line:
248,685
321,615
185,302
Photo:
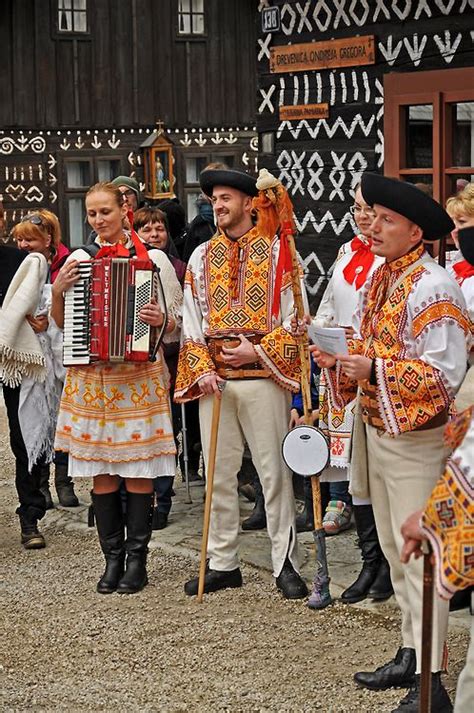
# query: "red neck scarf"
463,269
357,269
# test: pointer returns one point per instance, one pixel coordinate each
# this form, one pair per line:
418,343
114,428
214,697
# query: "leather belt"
248,371
439,420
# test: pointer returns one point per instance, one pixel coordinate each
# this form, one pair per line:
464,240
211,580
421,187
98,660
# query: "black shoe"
139,515
31,538
290,583
440,701
400,672
109,518
160,520
215,580
65,488
382,586
135,577
360,588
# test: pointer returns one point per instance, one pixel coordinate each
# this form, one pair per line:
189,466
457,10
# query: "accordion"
101,321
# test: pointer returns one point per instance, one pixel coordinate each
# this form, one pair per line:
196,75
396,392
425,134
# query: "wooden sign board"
346,52
304,111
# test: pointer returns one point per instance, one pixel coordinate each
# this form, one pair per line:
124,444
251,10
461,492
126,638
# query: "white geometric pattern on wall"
8,144
321,15
336,87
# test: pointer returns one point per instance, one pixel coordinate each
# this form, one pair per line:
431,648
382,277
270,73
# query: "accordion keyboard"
76,347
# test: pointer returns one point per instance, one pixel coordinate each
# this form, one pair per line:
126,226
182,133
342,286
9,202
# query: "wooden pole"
287,233
210,466
426,633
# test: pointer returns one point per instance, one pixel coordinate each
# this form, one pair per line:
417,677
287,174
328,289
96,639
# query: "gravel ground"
66,648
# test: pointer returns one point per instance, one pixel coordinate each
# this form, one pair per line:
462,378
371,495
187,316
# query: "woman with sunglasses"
114,419
354,265
40,232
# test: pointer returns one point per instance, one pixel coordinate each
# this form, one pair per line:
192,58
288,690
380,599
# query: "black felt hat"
466,243
227,177
407,200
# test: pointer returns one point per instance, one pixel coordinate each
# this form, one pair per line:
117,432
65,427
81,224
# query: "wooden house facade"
84,83
346,86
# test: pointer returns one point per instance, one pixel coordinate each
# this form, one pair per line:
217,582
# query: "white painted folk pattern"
314,16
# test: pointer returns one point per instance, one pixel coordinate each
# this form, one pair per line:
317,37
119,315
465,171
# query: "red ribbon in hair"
360,263
283,265
463,270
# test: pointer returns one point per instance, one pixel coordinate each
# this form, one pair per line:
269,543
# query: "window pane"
228,160
76,221
185,24
459,182
107,170
198,6
80,4
198,24
191,205
194,166
78,174
184,6
419,136
65,21
423,182
463,134
80,22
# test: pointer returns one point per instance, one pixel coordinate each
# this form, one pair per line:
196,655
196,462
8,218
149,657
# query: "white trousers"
402,473
256,411
464,702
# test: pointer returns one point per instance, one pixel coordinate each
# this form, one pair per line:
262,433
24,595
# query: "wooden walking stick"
320,596
210,465
274,202
426,630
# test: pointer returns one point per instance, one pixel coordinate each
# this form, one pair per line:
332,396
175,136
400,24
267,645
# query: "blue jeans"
163,488
340,491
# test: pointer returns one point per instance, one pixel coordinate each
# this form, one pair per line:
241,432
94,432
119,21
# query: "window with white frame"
191,17
72,16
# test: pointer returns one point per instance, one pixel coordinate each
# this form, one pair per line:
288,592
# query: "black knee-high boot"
372,557
109,520
139,517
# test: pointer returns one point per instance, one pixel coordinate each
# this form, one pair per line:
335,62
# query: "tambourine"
306,450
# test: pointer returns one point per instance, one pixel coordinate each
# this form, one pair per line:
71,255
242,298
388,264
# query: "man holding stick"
237,307
408,359
447,521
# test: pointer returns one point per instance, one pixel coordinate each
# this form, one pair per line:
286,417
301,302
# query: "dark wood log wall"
321,160
132,68
87,97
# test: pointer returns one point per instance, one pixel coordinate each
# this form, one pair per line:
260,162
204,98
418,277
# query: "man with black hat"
408,359
232,333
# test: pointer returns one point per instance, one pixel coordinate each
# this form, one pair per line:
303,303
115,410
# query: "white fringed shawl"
39,402
20,350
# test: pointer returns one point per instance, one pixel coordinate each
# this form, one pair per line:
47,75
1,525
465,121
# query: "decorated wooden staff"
210,466
426,630
273,194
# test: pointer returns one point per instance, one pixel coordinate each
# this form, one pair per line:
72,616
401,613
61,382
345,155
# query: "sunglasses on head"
35,219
